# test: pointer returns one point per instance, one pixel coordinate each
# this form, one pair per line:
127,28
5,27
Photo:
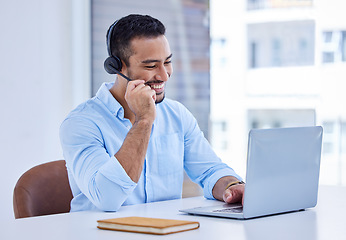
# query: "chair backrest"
42,190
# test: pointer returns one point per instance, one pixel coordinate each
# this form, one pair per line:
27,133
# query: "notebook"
282,174
147,225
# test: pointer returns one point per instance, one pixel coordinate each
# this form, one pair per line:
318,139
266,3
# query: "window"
328,137
343,46
343,137
303,51
219,139
282,44
333,46
274,118
276,52
253,55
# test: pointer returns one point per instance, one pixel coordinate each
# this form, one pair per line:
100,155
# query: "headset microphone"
113,64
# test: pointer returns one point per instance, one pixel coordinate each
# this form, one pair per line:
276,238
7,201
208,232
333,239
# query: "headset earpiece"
113,65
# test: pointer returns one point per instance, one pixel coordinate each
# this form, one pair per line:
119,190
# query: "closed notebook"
147,225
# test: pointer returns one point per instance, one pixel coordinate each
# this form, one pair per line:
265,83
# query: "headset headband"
109,36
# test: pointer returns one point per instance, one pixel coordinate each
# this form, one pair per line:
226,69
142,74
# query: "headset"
113,64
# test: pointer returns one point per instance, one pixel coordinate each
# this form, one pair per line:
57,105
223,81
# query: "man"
129,144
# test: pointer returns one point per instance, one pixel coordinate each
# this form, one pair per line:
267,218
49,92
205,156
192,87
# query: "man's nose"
162,74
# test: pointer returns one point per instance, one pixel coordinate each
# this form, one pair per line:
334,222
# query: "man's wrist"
234,183
144,123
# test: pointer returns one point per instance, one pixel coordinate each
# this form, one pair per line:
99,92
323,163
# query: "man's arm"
232,194
131,155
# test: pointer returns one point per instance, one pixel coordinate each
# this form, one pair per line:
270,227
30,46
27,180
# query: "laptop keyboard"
230,210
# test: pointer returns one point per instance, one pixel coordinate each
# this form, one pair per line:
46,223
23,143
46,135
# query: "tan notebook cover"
147,225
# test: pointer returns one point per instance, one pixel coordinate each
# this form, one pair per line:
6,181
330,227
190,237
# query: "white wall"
42,66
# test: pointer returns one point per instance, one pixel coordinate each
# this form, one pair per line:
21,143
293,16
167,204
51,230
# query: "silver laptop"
282,174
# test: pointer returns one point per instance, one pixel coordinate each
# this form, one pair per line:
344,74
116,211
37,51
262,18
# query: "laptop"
282,174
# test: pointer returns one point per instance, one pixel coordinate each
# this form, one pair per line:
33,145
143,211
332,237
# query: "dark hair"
130,27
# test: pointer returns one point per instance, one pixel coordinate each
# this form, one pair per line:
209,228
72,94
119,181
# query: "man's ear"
123,66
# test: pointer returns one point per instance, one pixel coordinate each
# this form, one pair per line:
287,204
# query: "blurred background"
237,65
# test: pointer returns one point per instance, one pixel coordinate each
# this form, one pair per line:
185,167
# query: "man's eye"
168,62
150,67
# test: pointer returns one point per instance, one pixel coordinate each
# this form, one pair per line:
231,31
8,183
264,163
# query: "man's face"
151,61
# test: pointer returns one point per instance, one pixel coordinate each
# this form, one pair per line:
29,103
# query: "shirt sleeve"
201,163
99,176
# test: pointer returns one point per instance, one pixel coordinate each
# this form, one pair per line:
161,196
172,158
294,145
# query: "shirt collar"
109,101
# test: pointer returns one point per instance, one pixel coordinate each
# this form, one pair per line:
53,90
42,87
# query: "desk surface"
325,221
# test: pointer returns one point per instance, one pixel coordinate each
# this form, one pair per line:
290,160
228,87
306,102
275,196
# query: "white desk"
326,221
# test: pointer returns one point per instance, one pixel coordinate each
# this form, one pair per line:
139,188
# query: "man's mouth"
157,87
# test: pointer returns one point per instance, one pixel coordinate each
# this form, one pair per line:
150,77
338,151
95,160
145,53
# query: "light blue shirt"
94,131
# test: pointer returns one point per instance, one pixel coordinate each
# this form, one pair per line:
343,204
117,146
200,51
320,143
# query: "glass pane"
276,76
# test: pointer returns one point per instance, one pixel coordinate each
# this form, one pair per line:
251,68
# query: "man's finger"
227,197
133,84
234,194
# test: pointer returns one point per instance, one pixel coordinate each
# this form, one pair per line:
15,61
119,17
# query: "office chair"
42,190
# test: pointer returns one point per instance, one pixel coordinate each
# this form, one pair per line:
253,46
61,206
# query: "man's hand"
234,194
141,100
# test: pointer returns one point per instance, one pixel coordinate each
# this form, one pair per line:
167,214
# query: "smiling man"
129,144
